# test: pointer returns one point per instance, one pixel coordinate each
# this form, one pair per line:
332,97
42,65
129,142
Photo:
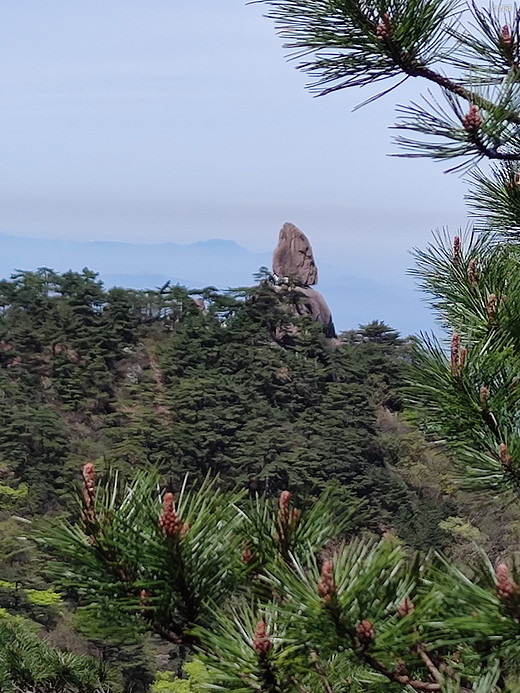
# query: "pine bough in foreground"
270,603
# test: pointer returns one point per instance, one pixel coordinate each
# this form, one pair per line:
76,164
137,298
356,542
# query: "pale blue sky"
180,120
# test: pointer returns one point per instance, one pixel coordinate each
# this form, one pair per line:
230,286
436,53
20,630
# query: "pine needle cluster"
279,596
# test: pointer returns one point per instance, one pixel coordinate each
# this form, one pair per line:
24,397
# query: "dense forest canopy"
227,383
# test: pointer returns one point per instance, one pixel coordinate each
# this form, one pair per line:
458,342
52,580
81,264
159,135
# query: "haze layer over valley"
355,294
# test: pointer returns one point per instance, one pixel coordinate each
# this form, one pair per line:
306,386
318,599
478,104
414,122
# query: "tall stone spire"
293,256
293,262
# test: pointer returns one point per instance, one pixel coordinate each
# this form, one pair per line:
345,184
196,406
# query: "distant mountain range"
354,300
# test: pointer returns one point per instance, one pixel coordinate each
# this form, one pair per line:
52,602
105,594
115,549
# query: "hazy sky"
181,120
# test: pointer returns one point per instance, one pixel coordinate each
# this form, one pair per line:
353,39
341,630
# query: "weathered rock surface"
314,305
293,259
200,304
134,374
307,302
293,256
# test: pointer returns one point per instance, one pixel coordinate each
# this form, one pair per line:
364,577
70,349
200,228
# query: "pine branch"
313,26
494,199
492,152
434,672
450,85
403,679
355,43
406,680
327,687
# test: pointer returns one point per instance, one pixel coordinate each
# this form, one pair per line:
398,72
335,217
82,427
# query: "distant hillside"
354,300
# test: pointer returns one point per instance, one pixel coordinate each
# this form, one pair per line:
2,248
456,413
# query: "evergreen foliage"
28,664
243,388
466,398
474,290
271,602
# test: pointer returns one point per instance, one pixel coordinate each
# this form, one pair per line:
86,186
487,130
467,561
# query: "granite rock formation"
293,256
295,271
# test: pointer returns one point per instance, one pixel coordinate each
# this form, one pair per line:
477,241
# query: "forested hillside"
231,384
225,383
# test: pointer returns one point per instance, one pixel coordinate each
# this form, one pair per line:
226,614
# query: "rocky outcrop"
199,302
293,256
295,272
313,304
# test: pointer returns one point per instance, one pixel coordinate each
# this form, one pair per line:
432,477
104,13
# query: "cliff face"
294,265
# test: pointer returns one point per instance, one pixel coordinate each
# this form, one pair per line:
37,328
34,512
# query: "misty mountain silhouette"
222,263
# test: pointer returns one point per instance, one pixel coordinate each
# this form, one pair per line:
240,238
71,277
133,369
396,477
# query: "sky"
177,120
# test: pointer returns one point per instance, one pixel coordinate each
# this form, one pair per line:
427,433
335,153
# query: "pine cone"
456,250
405,607
512,184
506,588
365,632
472,273
169,520
261,641
89,485
505,457
491,306
247,555
284,505
472,120
90,518
385,27
144,600
326,585
455,346
505,36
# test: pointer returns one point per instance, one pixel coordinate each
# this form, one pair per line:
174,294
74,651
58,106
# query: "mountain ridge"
217,262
